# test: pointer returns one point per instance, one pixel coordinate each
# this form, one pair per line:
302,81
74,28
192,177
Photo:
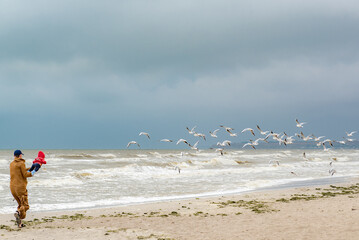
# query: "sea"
82,179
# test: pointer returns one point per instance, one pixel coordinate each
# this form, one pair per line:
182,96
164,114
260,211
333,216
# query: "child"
36,164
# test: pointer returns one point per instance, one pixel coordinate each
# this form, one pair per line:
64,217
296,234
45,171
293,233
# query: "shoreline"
306,212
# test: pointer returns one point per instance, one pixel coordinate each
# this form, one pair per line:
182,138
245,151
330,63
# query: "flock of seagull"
282,138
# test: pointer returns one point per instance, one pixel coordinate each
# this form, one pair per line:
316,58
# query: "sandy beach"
320,212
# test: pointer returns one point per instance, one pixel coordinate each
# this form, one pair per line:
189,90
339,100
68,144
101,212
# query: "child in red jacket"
37,163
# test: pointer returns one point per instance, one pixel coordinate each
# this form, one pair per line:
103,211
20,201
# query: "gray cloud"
141,62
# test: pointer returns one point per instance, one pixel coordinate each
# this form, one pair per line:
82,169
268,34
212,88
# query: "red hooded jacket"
40,158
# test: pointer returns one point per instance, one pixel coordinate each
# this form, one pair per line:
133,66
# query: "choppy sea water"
74,179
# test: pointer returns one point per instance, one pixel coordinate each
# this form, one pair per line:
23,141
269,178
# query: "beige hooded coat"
18,183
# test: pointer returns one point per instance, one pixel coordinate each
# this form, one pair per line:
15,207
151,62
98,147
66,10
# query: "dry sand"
325,212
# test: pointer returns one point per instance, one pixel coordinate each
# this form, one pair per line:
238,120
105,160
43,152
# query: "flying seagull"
248,129
214,133
183,140
350,134
227,128
144,133
194,147
220,150
262,132
300,125
133,142
249,144
224,143
191,131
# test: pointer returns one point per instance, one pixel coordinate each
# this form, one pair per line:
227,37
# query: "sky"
93,74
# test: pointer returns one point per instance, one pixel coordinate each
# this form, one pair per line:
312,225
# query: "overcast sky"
93,74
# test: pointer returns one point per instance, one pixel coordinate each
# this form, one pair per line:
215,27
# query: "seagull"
233,134
274,135
220,150
349,139
256,142
226,128
194,147
133,142
329,141
304,156
350,134
200,135
300,125
248,129
294,173
332,171
224,143
166,140
305,138
249,144
324,148
144,133
289,140
317,138
262,132
178,169
191,131
230,133
183,140
277,138
214,133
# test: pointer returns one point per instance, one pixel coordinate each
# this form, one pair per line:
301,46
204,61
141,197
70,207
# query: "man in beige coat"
18,182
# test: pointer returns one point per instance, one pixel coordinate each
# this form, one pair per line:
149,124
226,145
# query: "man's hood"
19,159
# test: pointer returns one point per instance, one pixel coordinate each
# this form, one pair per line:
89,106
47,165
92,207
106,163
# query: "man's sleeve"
24,171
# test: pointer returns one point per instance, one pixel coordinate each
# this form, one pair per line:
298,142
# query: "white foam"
120,177
55,182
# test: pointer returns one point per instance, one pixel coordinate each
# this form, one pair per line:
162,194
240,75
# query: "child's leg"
32,167
37,166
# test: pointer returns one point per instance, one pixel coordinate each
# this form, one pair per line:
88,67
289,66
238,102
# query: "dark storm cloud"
179,37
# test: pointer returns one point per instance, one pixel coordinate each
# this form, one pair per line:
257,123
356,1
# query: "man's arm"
24,171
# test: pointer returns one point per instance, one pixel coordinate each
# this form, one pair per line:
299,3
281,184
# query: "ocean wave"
85,156
55,182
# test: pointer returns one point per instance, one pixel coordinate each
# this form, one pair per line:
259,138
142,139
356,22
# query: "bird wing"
247,129
247,144
180,140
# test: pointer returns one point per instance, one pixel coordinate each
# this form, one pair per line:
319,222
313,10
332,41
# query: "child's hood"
41,154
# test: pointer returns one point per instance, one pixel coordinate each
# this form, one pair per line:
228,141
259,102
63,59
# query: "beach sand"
322,212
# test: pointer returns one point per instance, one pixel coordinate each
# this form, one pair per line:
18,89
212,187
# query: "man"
18,182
